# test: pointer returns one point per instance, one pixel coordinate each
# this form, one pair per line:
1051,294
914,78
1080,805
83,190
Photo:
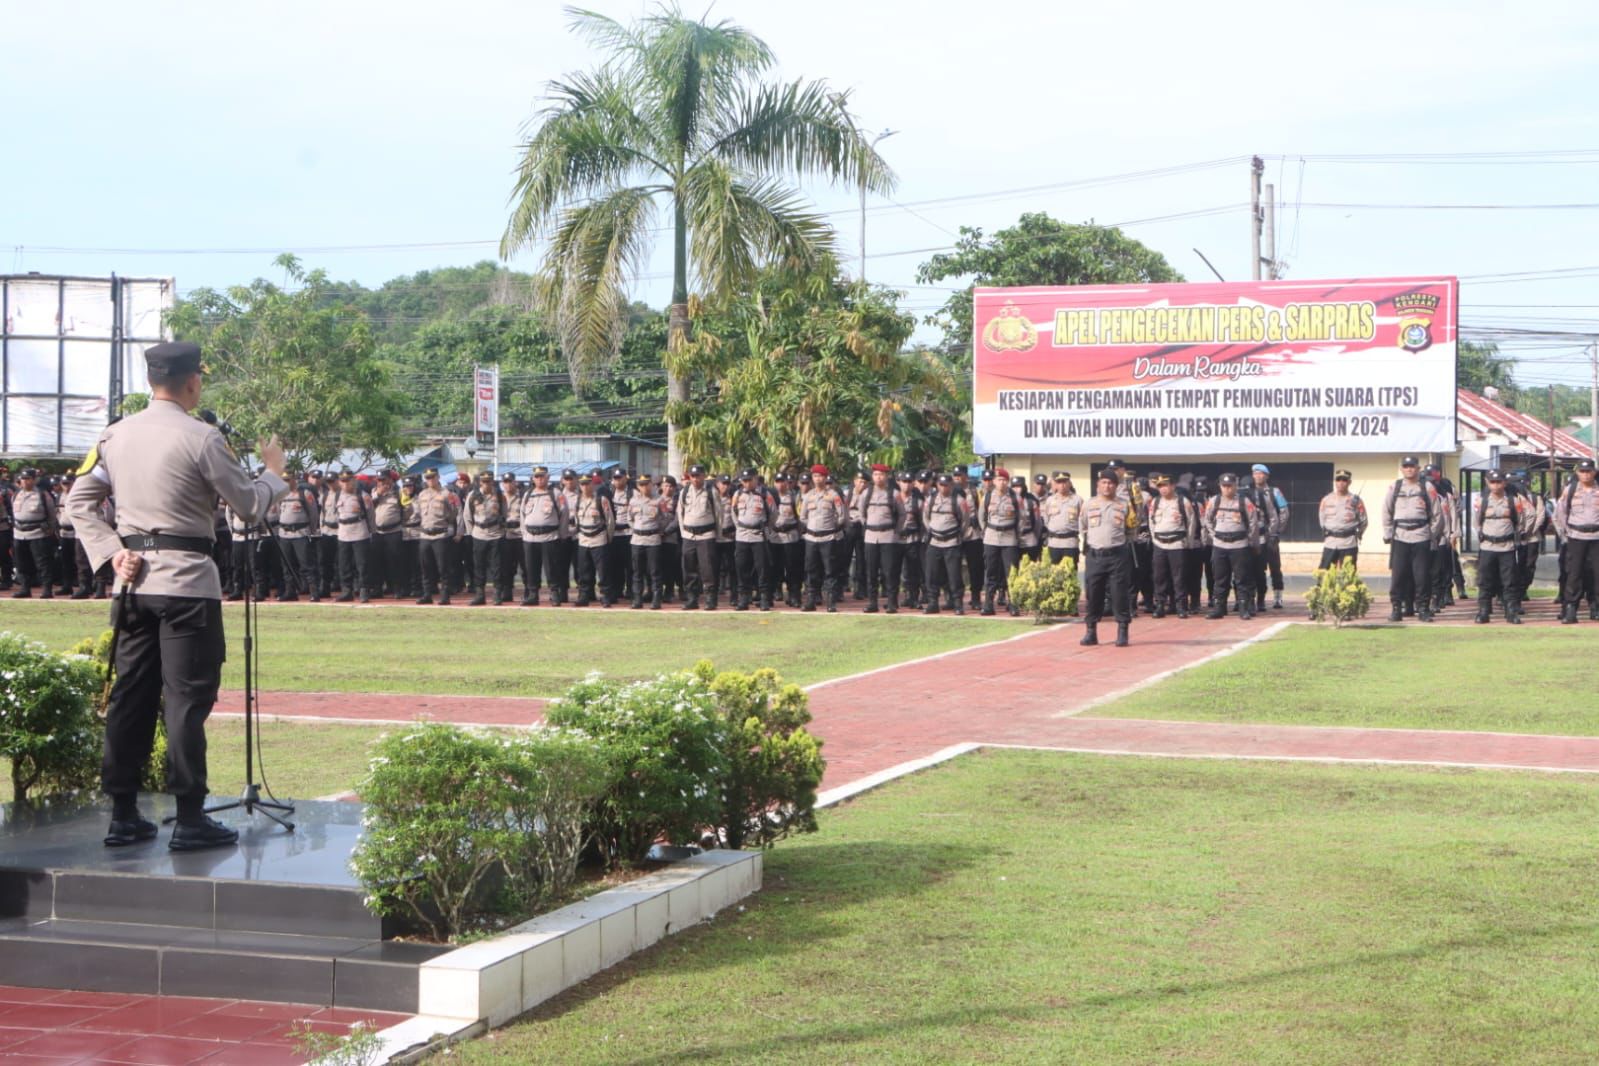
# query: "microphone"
209,417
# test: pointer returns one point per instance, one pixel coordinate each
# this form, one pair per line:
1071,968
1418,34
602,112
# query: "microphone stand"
250,798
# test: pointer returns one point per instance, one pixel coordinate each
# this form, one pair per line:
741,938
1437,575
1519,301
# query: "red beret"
879,468
1002,472
819,469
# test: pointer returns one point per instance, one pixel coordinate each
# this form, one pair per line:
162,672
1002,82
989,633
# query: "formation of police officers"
920,540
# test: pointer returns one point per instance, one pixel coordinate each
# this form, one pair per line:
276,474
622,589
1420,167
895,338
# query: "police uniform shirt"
64,527
725,523
910,520
412,526
1233,523
166,470
1103,523
543,516
946,518
34,513
569,502
297,515
646,518
1343,520
1168,523
354,512
388,513
435,513
877,509
484,517
593,520
1405,513
622,513
670,533
785,518
329,505
1577,513
1000,515
1499,519
824,515
751,513
699,512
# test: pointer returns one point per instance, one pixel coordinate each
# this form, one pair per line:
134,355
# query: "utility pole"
1257,167
872,148
1270,239
1593,403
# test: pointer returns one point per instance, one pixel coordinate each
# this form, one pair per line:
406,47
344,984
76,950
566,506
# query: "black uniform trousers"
301,564
36,564
243,567
561,579
1498,577
882,565
1057,554
386,574
7,567
646,571
972,552
353,561
433,557
998,559
1270,558
1234,570
592,573
87,578
486,567
327,563
1196,572
510,559
787,563
66,562
726,566
168,661
619,567
910,564
1581,558
1170,578
1409,569
1333,556
1527,555
750,560
1443,572
943,569
1107,574
1143,571
854,547
539,557
821,561
699,569
671,571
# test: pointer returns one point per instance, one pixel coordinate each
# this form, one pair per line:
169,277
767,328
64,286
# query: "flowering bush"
1338,594
667,741
48,728
461,826
1048,590
773,763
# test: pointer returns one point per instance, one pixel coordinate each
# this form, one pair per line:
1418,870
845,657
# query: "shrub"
667,743
773,763
1339,594
462,825
1048,590
48,728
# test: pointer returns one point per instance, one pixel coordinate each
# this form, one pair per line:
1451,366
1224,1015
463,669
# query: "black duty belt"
1340,532
881,529
492,522
351,521
162,542
1486,539
539,530
700,529
1230,537
1105,551
381,529
28,527
591,530
784,528
752,525
1167,538
1006,528
290,527
1412,523
1582,529
433,531
952,537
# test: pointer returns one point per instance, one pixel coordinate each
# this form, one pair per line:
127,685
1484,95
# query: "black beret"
174,357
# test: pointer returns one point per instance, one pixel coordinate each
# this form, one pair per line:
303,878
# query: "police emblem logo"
1009,331
1416,310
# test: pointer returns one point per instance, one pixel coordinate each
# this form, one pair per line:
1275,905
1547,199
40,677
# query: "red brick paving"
41,1025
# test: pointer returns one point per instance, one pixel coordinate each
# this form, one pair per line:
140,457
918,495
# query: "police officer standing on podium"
165,469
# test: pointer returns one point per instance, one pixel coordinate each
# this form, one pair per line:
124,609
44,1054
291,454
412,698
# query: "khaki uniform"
1343,522
436,514
1235,527
1577,523
594,521
699,516
647,517
824,518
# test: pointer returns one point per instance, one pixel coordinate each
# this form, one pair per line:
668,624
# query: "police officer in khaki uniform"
1004,521
33,513
1412,522
1058,514
1236,527
824,518
752,510
947,517
646,521
879,508
786,561
298,520
594,519
543,519
165,469
483,524
437,512
388,536
354,513
7,536
1577,522
1171,523
1343,520
699,516
1500,517
1106,525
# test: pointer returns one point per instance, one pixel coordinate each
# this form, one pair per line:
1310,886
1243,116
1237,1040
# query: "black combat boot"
444,599
893,604
871,605
1484,612
345,597
692,604
810,602
988,603
81,594
741,602
1015,611
710,604
638,600
1218,608
1277,600
1160,609
655,599
1182,607
1091,634
931,606
1568,617
1513,613
531,599
424,601
766,601
477,601
959,606
1593,610
1395,614
1121,634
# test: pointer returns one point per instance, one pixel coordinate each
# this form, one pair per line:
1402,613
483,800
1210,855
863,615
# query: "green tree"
294,363
1480,366
807,369
677,120
1038,250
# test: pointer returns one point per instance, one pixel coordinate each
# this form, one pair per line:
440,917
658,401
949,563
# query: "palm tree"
676,120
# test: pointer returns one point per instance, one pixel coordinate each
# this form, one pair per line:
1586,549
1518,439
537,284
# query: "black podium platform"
277,917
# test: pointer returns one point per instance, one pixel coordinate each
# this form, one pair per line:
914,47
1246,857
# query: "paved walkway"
1011,693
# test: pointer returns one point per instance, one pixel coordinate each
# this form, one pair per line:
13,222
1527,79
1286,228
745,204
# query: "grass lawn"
1036,907
1497,678
302,760
508,651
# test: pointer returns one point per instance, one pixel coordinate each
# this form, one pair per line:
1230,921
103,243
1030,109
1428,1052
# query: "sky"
199,140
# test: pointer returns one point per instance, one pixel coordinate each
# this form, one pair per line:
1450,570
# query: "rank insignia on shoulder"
90,461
